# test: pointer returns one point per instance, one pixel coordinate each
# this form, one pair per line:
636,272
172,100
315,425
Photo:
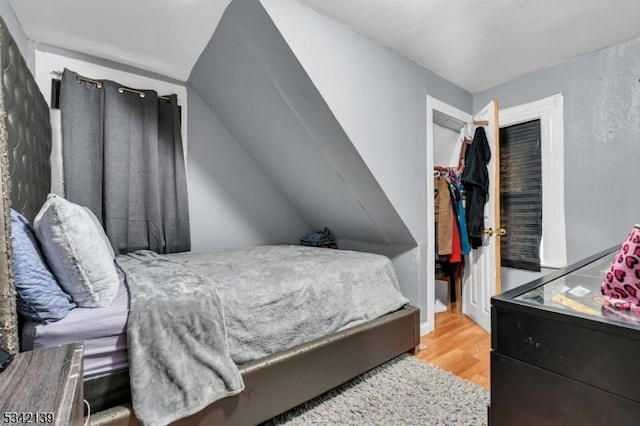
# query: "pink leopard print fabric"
621,284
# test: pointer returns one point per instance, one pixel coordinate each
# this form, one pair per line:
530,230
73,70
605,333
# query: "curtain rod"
121,89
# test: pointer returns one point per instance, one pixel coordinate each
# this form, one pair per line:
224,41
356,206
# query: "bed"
273,384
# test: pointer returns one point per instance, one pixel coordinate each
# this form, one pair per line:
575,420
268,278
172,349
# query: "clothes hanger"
468,128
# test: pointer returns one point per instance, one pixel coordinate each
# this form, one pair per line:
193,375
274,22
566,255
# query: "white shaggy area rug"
404,391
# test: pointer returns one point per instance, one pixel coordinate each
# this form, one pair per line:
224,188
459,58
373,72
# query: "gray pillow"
100,229
76,252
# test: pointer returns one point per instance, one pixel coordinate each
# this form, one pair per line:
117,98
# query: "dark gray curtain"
123,159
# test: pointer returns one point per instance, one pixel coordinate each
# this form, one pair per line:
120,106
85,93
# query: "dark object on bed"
273,384
322,238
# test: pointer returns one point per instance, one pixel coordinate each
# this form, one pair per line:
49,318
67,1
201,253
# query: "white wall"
232,202
446,146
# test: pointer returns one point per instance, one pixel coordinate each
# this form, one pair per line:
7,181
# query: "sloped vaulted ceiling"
253,82
162,36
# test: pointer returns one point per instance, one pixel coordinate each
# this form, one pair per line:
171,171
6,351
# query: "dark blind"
55,93
521,195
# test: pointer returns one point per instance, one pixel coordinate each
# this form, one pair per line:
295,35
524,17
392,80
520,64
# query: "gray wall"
27,48
232,203
405,261
18,34
602,122
379,98
512,278
251,80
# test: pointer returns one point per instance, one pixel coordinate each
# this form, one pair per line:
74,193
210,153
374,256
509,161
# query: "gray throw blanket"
176,338
194,311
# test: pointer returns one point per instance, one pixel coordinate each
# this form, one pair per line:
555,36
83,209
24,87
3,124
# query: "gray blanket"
262,299
178,357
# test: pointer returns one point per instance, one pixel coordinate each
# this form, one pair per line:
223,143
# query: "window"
521,195
549,112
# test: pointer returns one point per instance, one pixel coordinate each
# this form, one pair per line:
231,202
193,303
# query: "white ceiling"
163,36
479,44
471,43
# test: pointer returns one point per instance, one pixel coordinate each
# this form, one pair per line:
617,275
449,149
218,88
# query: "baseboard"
425,328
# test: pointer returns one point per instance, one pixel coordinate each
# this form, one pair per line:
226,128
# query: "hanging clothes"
463,150
443,216
456,252
475,179
465,246
461,243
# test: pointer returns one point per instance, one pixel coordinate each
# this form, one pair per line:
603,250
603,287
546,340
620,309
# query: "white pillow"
76,252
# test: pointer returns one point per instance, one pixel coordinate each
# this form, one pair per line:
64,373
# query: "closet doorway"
479,279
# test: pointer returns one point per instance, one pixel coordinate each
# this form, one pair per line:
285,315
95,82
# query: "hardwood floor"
460,346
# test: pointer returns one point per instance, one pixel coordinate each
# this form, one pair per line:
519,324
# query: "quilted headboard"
25,169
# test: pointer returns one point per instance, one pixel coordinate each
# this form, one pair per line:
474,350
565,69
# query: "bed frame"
272,385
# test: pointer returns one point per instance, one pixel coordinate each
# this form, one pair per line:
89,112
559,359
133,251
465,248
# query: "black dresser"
560,356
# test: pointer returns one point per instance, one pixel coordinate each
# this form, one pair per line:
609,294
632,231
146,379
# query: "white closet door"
482,269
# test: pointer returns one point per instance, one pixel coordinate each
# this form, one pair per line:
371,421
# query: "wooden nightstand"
43,387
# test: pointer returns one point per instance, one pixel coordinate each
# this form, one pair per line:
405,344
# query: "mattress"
278,296
103,331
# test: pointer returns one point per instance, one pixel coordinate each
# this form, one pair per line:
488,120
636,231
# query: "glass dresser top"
579,291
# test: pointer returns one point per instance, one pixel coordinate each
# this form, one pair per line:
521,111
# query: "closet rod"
121,89
481,122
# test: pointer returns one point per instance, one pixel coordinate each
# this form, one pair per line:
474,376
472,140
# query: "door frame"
428,323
